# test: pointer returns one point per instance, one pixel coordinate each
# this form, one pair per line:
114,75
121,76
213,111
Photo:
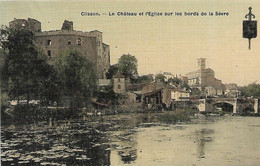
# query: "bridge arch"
224,106
239,105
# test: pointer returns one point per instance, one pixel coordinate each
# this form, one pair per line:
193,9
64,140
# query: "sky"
160,43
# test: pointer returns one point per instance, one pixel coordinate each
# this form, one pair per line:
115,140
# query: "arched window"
119,86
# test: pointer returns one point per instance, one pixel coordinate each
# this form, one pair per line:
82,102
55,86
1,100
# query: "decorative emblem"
249,27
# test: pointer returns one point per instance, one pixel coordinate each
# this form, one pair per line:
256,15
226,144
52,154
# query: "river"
135,140
225,141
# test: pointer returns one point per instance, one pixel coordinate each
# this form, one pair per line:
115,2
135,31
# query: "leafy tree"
127,65
24,66
76,76
160,78
51,90
251,90
186,86
106,94
174,80
112,71
144,79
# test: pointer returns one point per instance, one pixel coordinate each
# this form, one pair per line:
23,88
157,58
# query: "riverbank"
21,114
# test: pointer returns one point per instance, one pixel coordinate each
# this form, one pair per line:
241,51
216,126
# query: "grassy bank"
180,115
21,114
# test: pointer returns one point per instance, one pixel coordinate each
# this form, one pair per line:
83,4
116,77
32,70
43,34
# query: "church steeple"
201,63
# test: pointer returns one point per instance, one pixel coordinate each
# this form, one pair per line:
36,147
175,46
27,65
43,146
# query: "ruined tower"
67,25
54,42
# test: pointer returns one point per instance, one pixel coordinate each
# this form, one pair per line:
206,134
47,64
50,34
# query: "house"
134,92
213,91
232,93
156,94
179,95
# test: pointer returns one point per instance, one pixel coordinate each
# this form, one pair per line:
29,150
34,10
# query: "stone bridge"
239,105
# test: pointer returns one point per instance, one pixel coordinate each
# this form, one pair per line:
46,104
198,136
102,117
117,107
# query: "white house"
179,95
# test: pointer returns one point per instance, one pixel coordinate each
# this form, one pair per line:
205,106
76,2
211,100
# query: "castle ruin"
54,42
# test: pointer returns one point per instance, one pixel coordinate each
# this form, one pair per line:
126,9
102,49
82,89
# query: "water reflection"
202,137
134,140
124,143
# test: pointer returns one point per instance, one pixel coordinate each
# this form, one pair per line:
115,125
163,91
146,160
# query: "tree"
127,65
160,78
174,80
186,86
51,89
144,79
25,65
252,89
112,71
76,76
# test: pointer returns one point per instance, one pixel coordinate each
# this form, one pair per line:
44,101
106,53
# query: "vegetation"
160,78
76,77
186,86
25,68
27,74
106,95
174,80
143,79
251,90
112,71
127,65
180,115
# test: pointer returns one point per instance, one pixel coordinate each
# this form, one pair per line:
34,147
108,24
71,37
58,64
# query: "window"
79,41
119,86
118,79
49,53
69,42
49,42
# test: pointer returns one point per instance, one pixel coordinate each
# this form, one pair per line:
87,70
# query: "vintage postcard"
144,83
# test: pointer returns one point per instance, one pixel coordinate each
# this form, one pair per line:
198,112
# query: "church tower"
201,63
201,68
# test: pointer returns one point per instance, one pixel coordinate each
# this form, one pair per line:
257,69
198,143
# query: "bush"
181,115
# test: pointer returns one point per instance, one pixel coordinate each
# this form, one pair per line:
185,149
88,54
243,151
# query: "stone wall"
53,43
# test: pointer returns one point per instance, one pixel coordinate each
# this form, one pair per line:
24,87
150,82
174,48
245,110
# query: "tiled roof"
179,90
119,75
136,86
